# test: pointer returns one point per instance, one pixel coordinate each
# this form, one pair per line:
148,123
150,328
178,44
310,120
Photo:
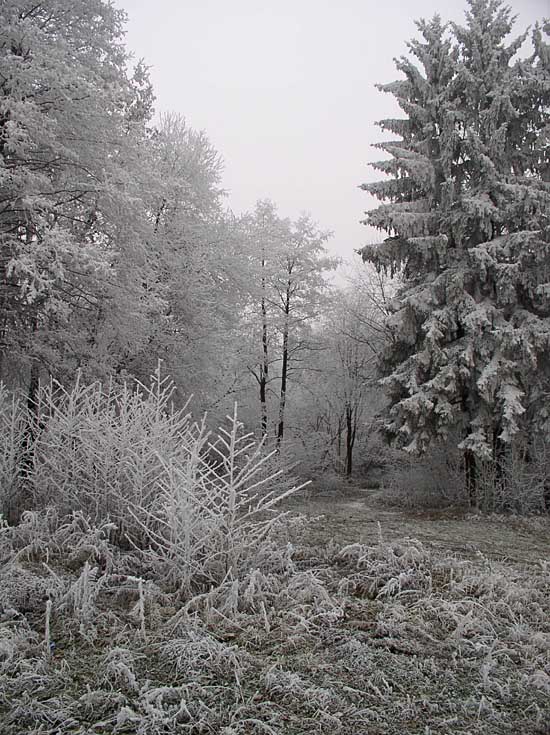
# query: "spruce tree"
466,212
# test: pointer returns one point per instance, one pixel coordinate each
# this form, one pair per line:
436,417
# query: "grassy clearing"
354,514
387,637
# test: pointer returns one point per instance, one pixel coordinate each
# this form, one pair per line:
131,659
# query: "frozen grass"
361,639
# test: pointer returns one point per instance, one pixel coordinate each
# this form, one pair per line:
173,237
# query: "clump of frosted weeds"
196,651
126,470
388,569
85,541
80,598
23,590
118,669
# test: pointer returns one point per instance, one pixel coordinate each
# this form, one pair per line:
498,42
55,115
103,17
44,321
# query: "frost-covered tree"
357,336
298,291
283,287
335,398
190,260
71,121
465,206
265,233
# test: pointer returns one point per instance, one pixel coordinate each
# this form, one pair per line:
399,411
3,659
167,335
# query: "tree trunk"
264,370
26,464
499,462
3,341
470,469
282,400
470,473
339,442
34,384
284,369
350,439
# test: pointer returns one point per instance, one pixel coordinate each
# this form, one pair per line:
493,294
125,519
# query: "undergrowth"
362,639
196,507
519,483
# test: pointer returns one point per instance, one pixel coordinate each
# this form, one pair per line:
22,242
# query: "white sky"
285,91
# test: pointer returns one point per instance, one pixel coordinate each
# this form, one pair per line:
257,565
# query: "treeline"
118,249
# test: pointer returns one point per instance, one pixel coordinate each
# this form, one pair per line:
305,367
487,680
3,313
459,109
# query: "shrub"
104,449
433,480
197,507
518,482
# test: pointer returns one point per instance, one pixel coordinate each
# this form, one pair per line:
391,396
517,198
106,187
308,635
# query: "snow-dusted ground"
353,514
428,624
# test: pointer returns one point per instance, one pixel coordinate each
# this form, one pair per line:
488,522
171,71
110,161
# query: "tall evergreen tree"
466,210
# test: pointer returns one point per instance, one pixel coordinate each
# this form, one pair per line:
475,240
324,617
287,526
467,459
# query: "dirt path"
358,515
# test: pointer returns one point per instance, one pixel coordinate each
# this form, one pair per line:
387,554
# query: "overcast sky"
285,91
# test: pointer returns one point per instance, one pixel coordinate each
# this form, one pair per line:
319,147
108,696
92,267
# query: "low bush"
198,507
519,482
433,480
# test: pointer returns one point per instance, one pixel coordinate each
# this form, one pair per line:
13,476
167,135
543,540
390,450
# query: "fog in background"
285,91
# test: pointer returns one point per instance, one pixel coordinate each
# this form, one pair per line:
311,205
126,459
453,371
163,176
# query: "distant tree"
353,378
283,287
466,207
336,397
299,289
266,234
358,337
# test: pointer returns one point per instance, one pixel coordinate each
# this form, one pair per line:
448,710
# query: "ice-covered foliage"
361,638
120,468
71,171
465,207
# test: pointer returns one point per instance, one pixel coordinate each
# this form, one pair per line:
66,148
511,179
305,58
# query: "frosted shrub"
122,466
434,479
102,449
213,522
520,484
